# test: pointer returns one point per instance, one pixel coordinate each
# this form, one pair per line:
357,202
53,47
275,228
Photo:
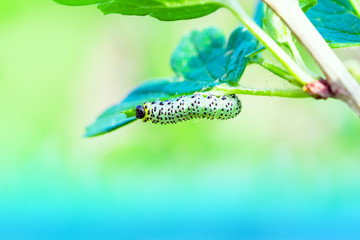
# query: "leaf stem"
256,52
289,93
278,71
342,85
300,75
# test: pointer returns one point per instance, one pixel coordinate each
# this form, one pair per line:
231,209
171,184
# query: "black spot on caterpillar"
190,107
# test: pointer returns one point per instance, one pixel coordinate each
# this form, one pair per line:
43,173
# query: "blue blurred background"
284,169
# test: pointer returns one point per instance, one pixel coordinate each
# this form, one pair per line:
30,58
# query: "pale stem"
299,74
356,6
342,84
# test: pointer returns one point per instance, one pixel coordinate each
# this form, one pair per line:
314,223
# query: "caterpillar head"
140,111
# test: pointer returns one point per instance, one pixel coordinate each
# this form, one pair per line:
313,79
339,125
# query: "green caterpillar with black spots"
195,106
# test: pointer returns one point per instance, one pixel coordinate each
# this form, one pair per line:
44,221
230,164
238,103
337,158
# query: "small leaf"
204,56
278,30
275,27
259,13
307,4
202,61
337,21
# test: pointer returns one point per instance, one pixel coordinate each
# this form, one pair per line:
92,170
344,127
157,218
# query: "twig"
299,74
343,86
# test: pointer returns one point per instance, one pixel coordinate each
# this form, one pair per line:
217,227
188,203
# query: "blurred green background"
284,169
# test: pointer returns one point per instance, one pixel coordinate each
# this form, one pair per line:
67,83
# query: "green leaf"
155,89
107,123
337,21
204,56
261,9
278,30
307,4
164,10
259,13
78,2
202,61
275,27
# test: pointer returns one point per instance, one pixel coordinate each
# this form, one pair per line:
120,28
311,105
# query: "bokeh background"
284,169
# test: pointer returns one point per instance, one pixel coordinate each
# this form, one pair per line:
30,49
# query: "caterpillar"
190,107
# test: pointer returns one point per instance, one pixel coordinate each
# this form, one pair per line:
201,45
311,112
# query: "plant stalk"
278,71
340,81
300,75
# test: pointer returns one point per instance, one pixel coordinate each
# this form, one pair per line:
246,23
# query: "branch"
343,86
299,74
